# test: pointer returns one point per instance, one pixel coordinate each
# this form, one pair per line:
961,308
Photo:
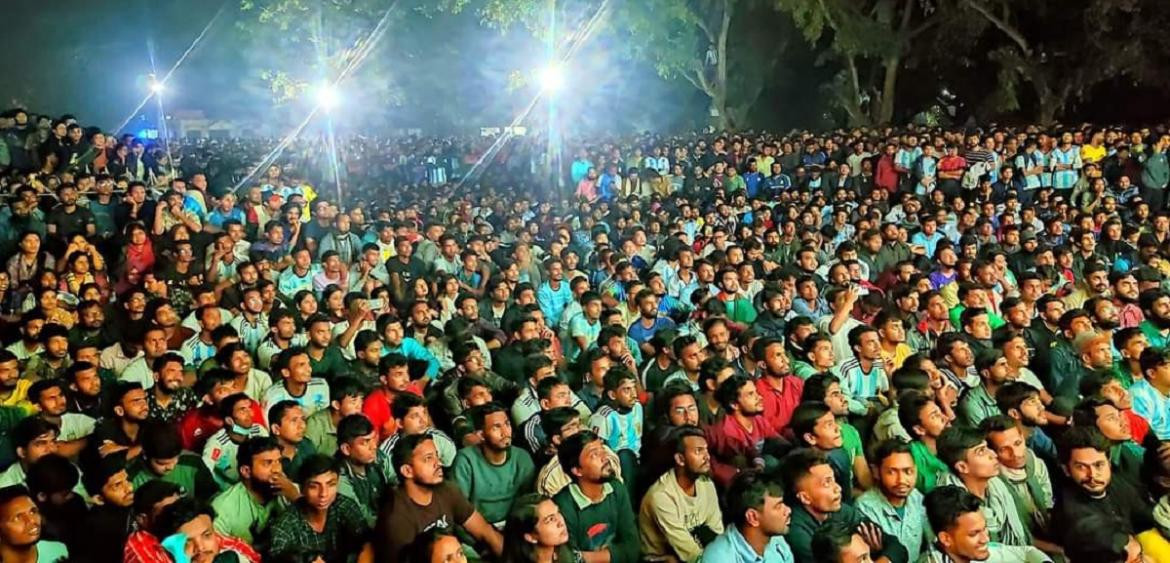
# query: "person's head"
129,402
286,421
318,478
754,501
357,440
492,424
293,366
20,518
679,404
691,455
738,395
584,458
956,516
108,483
814,425
825,388
258,461
1084,458
33,438
394,372
48,395
1155,364
1095,411
992,367
168,373
52,480
893,468
346,395
837,542
194,520
808,480
1006,440
965,451
410,413
920,415
534,522
416,461
161,446
553,392
621,388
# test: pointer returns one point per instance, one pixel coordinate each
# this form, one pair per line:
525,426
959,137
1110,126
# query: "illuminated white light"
328,97
157,87
552,77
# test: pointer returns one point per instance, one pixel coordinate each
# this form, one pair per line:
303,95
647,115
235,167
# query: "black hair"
805,417
910,405
954,443
276,412
797,465
830,539
403,402
886,448
728,392
946,504
352,427
816,388
1080,437
30,428
404,450
253,447
1013,394
554,420
569,452
52,474
161,441
179,513
479,414
313,466
747,492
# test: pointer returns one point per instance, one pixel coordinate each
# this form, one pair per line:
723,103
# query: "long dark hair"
522,520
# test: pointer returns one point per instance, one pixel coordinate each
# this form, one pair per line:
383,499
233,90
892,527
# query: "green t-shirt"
190,474
492,488
237,514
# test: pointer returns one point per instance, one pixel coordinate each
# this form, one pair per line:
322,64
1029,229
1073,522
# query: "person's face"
321,491
750,403
550,526
826,434
897,475
20,523
497,431
133,406
52,402
397,378
683,411
594,463
819,491
416,421
242,413
718,337
1009,447
291,427
425,468
39,447
979,462
626,394
9,374
968,538
870,346
1090,470
171,377
1113,424
1126,289
203,542
363,449
931,421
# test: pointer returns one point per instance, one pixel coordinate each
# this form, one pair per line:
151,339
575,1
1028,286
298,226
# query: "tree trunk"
885,113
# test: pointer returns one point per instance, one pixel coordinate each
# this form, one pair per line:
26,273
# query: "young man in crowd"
597,510
680,513
492,474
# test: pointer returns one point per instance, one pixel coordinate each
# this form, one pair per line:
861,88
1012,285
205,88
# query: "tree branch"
1012,33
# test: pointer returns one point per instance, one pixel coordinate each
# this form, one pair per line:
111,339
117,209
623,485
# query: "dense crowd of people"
893,345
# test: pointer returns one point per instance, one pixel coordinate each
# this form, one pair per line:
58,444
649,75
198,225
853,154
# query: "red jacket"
779,404
733,448
885,176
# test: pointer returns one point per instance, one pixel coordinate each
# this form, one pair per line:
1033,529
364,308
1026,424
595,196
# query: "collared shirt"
1153,406
860,386
999,553
977,405
909,525
1005,524
182,401
237,513
731,547
780,403
340,539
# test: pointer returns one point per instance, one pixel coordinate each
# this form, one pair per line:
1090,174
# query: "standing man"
1156,174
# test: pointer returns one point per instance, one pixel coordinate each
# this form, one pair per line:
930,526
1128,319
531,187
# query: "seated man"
411,417
558,424
960,531
194,520
839,543
366,475
894,504
1023,472
244,510
112,493
680,513
759,521
286,423
163,458
597,509
20,537
321,522
975,467
346,395
1091,489
237,412
423,502
737,441
813,492
492,474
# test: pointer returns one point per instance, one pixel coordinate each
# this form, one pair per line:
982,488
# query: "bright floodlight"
328,97
552,77
157,87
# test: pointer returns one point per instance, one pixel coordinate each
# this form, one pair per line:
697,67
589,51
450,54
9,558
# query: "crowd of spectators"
894,345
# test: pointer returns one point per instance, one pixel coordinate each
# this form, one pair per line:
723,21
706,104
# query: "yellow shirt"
893,362
1089,153
19,396
1154,545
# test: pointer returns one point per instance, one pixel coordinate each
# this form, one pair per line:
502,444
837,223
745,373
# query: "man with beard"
649,322
738,439
1091,491
53,360
775,307
719,339
321,521
423,502
13,387
51,402
68,218
90,328
597,509
29,345
894,504
232,296
779,389
815,496
1129,343
120,432
1023,472
960,532
973,466
23,529
1125,298
1155,305
979,402
245,509
494,472
168,399
108,523
759,520
1151,395
680,512
1103,313
154,345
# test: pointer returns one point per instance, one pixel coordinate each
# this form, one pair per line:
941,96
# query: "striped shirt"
1065,179
251,333
860,386
443,443
194,351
